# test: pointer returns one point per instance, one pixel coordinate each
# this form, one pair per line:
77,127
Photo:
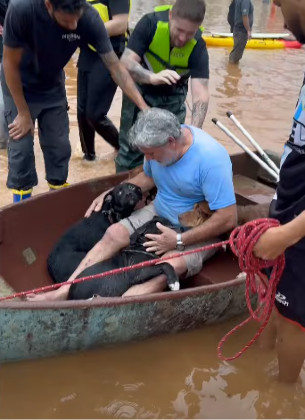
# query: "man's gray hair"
153,128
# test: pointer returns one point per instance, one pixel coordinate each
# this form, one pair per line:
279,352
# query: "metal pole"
245,148
261,151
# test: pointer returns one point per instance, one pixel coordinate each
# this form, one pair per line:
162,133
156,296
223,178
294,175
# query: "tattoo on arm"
200,94
138,73
199,112
122,78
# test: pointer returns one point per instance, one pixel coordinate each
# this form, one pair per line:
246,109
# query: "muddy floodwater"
177,376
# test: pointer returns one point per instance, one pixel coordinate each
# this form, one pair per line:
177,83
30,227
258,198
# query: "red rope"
115,271
242,242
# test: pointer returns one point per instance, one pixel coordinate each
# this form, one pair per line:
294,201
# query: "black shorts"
290,296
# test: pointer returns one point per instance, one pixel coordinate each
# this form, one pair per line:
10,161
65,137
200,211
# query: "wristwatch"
180,246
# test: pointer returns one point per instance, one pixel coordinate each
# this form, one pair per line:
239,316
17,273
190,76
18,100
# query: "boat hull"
29,332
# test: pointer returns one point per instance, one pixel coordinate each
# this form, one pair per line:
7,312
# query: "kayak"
259,35
255,43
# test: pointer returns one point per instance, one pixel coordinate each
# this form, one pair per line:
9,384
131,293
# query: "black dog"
118,284
81,237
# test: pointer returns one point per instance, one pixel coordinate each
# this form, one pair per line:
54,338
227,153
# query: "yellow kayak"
216,41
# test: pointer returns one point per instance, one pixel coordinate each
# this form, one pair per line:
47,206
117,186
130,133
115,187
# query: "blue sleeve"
217,185
147,168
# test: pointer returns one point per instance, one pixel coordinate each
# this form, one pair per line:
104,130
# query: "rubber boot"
20,195
53,187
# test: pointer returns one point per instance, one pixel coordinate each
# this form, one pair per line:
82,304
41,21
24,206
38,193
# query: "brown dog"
202,212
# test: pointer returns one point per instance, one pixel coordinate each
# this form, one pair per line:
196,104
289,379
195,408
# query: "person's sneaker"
90,157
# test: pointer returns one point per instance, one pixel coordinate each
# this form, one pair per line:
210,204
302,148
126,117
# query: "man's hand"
159,244
271,244
21,125
249,35
169,77
97,203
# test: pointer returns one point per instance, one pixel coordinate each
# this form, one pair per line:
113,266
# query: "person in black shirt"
40,37
287,325
95,87
165,50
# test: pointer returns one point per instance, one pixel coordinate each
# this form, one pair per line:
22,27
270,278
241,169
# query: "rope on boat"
242,241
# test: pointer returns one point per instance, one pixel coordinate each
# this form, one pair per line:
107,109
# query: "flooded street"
176,376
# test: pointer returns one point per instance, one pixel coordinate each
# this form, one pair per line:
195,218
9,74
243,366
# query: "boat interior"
29,230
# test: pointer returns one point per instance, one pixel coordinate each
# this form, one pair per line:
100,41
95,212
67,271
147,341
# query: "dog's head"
121,201
200,213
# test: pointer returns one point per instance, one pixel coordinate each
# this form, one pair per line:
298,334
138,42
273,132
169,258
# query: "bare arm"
132,61
246,24
200,98
123,79
117,25
221,221
143,181
11,66
276,240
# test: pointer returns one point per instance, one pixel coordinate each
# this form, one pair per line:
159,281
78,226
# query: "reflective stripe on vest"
175,58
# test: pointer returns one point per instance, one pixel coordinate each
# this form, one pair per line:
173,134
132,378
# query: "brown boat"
28,231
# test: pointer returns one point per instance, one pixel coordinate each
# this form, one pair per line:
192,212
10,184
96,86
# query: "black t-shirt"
143,34
47,46
87,56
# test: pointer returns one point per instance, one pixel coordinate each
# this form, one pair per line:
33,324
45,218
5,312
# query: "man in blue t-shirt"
40,37
187,166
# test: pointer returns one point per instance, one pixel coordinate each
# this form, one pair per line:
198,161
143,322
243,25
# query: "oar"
245,148
261,151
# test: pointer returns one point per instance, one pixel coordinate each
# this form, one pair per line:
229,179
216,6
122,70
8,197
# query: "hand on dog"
165,241
97,203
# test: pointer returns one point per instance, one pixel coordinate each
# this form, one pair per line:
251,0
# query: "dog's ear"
108,201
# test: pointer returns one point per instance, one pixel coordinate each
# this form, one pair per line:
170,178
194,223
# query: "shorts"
290,296
193,262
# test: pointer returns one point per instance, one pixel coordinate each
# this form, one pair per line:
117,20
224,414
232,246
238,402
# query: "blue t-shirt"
203,173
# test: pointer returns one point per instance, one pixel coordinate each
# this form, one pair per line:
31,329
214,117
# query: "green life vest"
103,11
160,56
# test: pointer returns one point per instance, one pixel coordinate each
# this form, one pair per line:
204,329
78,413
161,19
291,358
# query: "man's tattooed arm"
123,79
131,60
200,97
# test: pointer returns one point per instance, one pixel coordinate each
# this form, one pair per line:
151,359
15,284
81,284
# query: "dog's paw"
174,286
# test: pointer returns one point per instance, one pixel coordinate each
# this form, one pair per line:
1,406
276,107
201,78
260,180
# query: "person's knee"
179,264
117,236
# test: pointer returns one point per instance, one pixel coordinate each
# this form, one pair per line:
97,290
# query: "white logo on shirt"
71,37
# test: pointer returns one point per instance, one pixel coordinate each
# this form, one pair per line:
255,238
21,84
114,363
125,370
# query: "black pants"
95,92
53,133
